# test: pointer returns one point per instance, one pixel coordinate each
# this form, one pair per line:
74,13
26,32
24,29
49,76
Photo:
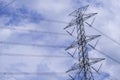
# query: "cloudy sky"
28,21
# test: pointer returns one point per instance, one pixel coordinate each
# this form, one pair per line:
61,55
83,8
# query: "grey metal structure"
82,69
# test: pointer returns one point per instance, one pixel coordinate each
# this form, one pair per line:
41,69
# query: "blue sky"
29,15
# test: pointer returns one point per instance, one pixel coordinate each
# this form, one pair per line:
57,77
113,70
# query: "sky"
28,15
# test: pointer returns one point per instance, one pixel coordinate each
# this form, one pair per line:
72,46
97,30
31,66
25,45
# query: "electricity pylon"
82,69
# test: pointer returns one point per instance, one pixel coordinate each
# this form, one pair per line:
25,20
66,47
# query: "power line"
62,33
35,31
8,4
54,46
103,53
26,73
56,33
113,40
32,55
104,34
58,21
35,45
32,73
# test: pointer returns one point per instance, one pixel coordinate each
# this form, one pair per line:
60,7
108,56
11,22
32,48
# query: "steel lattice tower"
83,68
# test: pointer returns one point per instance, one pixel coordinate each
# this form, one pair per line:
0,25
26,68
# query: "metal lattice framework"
81,70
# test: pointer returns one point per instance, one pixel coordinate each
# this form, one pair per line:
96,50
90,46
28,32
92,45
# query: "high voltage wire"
57,21
113,59
7,5
36,45
65,34
53,56
105,54
32,55
32,73
56,33
49,20
55,46
35,31
113,40
26,73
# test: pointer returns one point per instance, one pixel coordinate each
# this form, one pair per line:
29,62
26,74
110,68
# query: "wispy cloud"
16,16
30,13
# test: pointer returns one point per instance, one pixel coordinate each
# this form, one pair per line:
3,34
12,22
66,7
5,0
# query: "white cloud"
107,21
